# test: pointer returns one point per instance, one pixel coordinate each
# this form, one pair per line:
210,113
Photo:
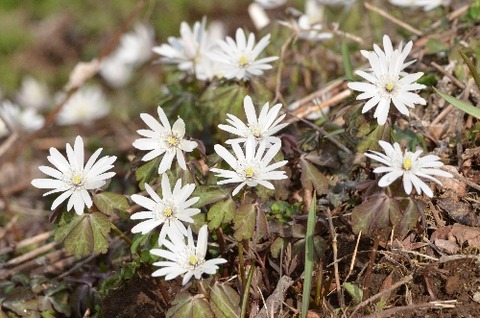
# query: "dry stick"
391,312
393,19
371,261
364,303
53,114
335,261
32,265
31,240
355,251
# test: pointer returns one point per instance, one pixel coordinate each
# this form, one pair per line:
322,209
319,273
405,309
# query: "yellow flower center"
407,163
193,260
249,172
243,60
389,87
168,212
173,141
77,180
256,132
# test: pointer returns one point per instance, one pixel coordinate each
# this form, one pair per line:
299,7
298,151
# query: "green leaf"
112,203
224,301
415,209
208,195
187,306
371,141
85,234
309,257
221,213
346,60
244,222
471,67
312,178
147,172
376,213
469,109
355,291
435,46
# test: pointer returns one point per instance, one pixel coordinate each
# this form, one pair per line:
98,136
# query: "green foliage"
378,212
355,291
244,221
435,46
411,214
312,178
85,234
309,257
467,108
208,195
147,172
283,211
220,213
471,67
220,301
370,142
474,11
112,203
411,139
125,273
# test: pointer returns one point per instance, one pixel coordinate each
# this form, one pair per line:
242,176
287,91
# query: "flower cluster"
200,53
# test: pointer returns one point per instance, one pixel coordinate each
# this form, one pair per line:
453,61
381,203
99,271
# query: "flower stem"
120,233
241,260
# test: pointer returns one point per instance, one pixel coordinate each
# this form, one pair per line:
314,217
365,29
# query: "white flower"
189,51
33,94
171,210
18,118
165,140
408,165
135,49
252,167
309,30
335,2
262,128
186,258
237,59
89,103
271,4
388,50
388,84
71,177
426,4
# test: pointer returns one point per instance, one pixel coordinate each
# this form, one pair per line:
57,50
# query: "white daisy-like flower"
309,30
163,139
186,258
408,165
252,167
171,210
20,118
426,4
73,178
33,94
237,59
262,128
189,51
388,84
89,103
388,50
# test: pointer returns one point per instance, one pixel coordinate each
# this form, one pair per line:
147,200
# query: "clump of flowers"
388,83
409,166
73,178
163,139
17,118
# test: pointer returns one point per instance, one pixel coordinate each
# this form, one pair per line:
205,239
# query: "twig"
393,19
32,254
364,303
31,240
354,257
275,300
395,310
333,234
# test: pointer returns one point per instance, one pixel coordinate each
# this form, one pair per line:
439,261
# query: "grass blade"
246,292
346,60
469,109
472,68
307,282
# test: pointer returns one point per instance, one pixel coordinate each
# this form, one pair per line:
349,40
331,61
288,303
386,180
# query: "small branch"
120,234
333,234
392,18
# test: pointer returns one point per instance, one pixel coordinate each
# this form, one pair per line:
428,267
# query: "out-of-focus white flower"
33,94
186,258
252,167
73,178
426,4
163,139
335,2
271,4
311,31
237,59
19,119
82,72
135,48
258,15
408,165
171,210
189,51
89,103
388,83
262,128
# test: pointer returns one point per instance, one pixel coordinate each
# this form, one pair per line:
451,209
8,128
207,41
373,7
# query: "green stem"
120,233
246,290
241,261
